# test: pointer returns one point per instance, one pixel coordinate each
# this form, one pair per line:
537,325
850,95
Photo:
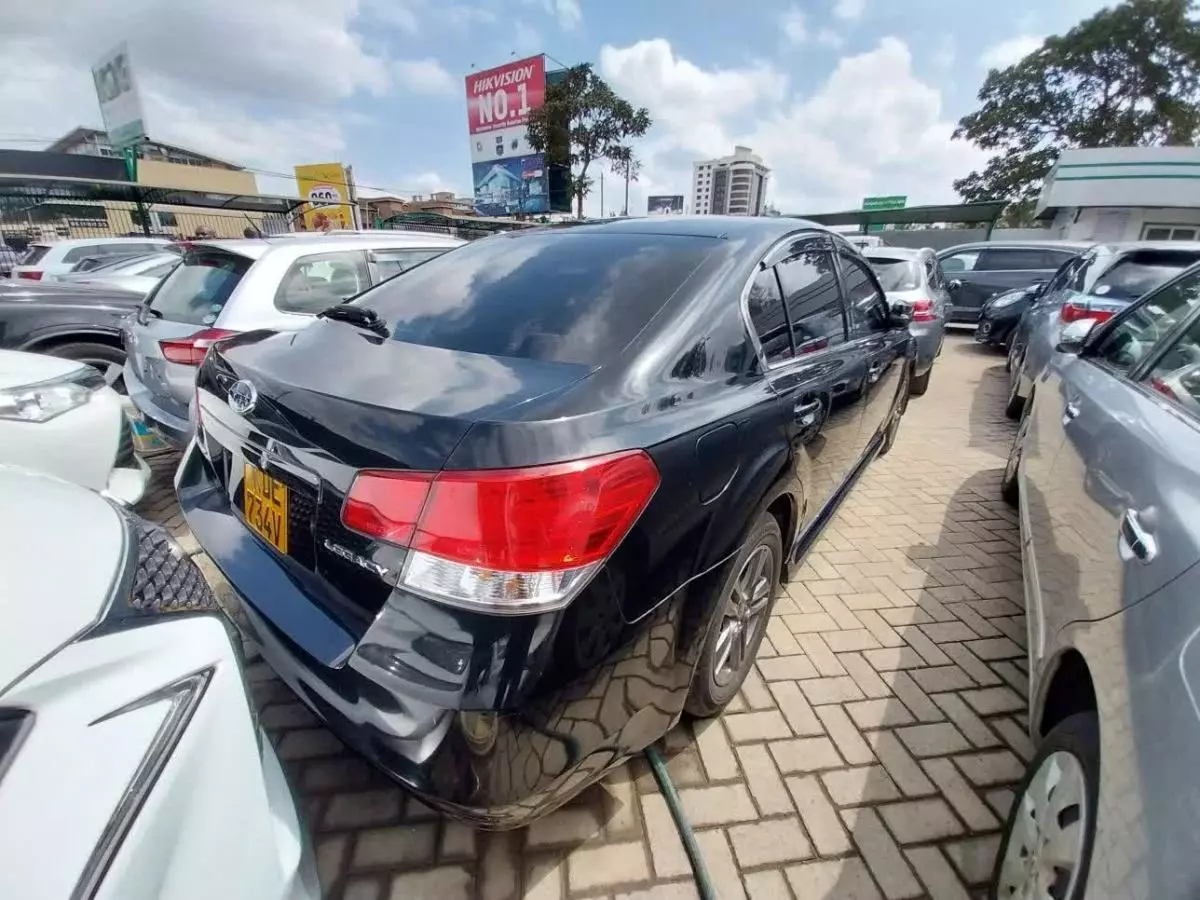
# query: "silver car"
1096,285
1107,475
138,274
915,279
224,287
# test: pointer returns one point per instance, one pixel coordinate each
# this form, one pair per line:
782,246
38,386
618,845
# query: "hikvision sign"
504,96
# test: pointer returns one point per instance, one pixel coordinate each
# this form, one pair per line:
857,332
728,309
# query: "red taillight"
189,351
506,539
922,311
1074,312
32,276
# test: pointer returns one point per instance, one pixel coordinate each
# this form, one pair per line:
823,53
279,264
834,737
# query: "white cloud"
794,27
1013,50
526,38
424,76
829,38
569,13
848,10
872,127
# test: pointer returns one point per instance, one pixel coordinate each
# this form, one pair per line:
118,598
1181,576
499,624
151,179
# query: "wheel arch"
1069,689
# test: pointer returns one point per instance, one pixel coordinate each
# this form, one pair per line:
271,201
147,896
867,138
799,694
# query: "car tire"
92,353
737,630
1010,484
1016,403
919,384
1070,755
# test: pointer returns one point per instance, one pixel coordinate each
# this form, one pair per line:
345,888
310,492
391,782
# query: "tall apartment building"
732,185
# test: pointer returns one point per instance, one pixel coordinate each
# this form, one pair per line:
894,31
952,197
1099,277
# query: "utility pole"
602,193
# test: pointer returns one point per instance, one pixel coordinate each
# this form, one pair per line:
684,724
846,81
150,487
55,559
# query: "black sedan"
501,520
1000,315
73,322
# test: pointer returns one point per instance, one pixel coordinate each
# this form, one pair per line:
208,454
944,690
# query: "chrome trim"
184,696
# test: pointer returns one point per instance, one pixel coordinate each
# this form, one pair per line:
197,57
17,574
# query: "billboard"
894,201
120,106
664,205
326,187
507,175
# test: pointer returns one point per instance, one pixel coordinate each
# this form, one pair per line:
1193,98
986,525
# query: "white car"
131,765
46,261
58,416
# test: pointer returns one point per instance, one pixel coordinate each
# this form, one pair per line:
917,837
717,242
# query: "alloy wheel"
1045,849
744,614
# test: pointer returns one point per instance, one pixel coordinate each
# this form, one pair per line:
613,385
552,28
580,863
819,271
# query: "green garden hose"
699,870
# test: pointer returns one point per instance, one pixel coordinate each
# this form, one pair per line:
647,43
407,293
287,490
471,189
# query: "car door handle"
806,414
1141,542
1070,411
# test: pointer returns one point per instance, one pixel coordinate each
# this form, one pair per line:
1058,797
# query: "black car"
501,520
981,270
80,323
1001,313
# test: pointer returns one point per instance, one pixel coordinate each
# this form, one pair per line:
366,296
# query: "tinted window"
765,304
1137,273
34,253
1129,340
197,290
963,261
555,295
810,294
1176,374
1017,259
1065,273
322,280
393,262
868,308
897,274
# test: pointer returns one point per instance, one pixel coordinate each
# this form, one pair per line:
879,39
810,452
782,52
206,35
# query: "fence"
47,209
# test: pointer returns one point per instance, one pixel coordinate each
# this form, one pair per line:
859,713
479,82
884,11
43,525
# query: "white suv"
223,288
46,261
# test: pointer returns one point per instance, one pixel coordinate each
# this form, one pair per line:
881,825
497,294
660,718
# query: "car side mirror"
1073,336
955,284
900,314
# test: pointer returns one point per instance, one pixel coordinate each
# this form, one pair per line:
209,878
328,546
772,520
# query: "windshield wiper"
362,316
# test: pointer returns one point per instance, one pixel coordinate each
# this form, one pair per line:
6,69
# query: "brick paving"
870,754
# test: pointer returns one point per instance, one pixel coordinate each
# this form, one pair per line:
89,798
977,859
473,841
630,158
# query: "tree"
1128,76
629,167
581,121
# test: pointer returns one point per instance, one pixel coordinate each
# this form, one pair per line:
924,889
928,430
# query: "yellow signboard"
326,187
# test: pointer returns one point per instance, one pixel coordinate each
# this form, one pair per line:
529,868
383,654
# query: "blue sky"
842,98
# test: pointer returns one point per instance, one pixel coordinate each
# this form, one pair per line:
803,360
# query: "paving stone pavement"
870,754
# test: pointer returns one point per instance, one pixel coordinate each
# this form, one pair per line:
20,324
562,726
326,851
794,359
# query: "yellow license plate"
265,506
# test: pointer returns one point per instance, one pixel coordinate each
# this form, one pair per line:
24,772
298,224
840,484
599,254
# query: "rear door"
798,314
1122,493
879,348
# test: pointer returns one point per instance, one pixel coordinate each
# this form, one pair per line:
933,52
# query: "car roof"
689,226
1078,246
256,248
896,252
1133,246
79,242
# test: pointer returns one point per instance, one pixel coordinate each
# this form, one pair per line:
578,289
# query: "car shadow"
988,427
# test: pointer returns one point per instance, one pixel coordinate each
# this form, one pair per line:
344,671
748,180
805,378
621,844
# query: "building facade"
1123,194
733,185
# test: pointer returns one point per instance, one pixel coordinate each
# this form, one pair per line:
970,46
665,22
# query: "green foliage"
1128,76
583,120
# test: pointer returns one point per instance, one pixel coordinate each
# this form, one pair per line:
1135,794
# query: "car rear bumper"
964,315
928,338
173,429
477,715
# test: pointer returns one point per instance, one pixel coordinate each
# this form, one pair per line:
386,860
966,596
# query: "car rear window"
1141,271
558,296
896,274
34,253
198,288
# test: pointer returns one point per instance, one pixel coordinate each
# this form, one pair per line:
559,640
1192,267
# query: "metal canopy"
53,187
984,213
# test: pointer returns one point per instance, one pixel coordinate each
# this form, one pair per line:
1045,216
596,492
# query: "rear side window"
75,254
1135,274
1138,330
963,261
322,280
1017,259
562,296
810,292
392,262
1176,374
198,288
34,253
765,305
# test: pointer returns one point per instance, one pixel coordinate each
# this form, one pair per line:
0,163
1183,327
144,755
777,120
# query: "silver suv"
226,287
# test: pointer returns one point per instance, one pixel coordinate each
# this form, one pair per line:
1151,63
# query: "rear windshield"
1139,272
559,296
896,274
197,290
34,253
